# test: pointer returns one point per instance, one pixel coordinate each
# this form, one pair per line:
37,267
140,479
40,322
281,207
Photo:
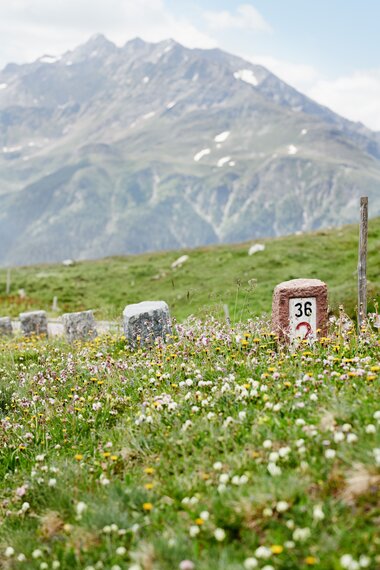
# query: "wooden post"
362,262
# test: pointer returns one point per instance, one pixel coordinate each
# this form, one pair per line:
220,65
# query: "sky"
328,49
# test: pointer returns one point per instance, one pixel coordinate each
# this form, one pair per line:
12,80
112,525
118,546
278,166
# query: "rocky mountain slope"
110,150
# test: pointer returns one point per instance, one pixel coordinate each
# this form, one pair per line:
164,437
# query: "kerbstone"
147,321
300,309
34,322
79,326
6,326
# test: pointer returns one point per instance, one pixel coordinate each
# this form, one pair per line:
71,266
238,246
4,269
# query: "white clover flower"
25,506
9,551
352,438
290,524
80,508
376,416
44,566
40,458
267,567
370,428
282,506
218,465
263,552
338,436
330,453
250,563
115,567
242,415
219,534
346,427
224,478
267,444
376,453
284,451
289,544
107,529
301,534
52,482
364,561
318,514
194,530
205,515
274,469
56,564
37,553
267,512
121,550
300,422
274,456
21,557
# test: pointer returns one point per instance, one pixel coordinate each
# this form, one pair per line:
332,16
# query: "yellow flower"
310,560
78,457
199,521
147,506
149,470
149,486
276,548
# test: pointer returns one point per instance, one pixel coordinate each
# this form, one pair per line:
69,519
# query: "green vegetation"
217,451
212,276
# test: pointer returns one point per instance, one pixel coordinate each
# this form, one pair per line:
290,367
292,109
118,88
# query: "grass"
217,450
212,277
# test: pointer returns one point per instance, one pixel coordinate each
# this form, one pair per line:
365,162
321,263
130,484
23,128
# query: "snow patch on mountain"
222,137
247,76
222,161
201,154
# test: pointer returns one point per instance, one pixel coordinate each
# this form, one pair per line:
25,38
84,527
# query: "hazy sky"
328,49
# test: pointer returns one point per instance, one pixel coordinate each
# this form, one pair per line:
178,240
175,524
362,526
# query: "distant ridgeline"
109,150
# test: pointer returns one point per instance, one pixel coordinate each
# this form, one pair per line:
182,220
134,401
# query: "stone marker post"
34,322
145,322
79,326
299,309
6,326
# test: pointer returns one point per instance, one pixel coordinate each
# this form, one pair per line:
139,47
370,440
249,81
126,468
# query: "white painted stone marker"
147,321
34,322
299,309
79,326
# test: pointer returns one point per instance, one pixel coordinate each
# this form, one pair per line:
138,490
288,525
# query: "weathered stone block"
147,321
79,326
6,326
34,322
299,309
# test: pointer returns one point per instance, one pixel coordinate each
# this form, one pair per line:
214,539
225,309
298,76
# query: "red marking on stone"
309,330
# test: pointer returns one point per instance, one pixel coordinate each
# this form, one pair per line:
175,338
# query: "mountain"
110,150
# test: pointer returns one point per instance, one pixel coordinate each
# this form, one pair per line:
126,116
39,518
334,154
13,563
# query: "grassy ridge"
210,278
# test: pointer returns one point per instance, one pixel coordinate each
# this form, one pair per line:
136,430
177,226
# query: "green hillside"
211,277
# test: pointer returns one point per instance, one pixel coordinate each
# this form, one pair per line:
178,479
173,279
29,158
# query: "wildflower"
352,438
147,506
330,453
277,548
37,553
121,550
301,534
263,552
318,514
250,563
193,530
273,469
56,564
25,506
9,551
52,482
205,515
310,560
80,508
218,465
267,444
282,506
219,534
370,428
78,457
186,565
267,512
